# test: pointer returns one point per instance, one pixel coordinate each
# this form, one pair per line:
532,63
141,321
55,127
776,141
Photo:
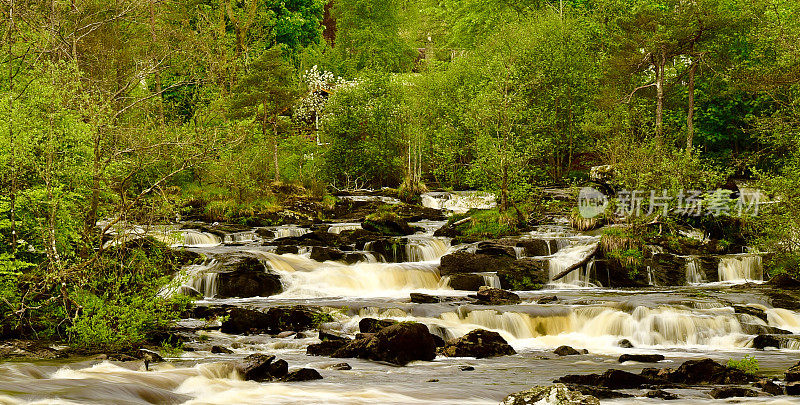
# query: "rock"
339,366
612,378
150,356
496,296
769,386
265,233
793,373
547,300
372,325
566,351
389,225
278,368
598,392
220,350
641,358
286,334
433,380
792,388
466,282
495,249
326,347
303,374
707,371
783,281
242,275
730,392
325,335
625,344
745,309
661,394
419,298
276,320
556,394
513,274
466,368
536,247
284,249
398,344
392,250
324,254
602,174
761,342
479,343
438,340
255,367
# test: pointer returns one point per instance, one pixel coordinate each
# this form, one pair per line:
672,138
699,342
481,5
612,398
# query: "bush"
748,364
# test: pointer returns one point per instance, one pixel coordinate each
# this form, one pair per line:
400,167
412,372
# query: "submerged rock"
479,343
326,347
707,371
730,392
641,358
303,374
793,373
466,282
419,298
566,351
661,394
556,394
769,386
216,349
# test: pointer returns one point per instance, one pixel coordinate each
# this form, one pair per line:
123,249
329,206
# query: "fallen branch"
578,265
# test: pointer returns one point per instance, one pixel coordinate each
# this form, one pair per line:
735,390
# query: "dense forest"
122,112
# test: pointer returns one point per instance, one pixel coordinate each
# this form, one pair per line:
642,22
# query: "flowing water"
694,321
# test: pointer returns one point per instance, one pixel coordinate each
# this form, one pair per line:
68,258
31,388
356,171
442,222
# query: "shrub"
748,364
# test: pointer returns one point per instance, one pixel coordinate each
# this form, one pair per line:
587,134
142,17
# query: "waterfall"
426,248
289,231
740,268
694,271
240,237
519,251
206,284
491,280
784,319
198,277
338,228
458,201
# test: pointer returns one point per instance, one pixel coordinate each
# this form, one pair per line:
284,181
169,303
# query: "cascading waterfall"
426,248
303,277
694,270
289,231
197,277
740,268
241,237
458,202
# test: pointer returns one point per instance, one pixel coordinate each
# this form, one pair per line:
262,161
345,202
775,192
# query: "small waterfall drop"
740,268
694,271
338,228
426,248
289,231
567,257
459,201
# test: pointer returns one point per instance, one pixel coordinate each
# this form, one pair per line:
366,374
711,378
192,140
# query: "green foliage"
486,224
748,365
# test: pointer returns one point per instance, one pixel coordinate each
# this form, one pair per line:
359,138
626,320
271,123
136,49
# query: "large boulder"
731,392
793,373
479,343
496,296
245,276
275,320
242,321
514,274
372,325
612,378
323,254
389,225
398,344
392,250
255,367
303,374
556,394
466,282
707,371
326,347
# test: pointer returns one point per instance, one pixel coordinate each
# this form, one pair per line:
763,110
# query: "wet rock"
372,325
352,258
255,367
339,366
479,343
730,392
326,347
389,225
782,299
554,394
641,358
324,254
278,368
661,394
245,276
264,233
495,249
535,247
707,371
438,340
466,282
398,344
598,392
466,368
792,388
745,309
276,320
433,380
625,344
496,296
303,374
392,250
241,320
419,298
547,300
284,249
566,351
286,334
327,335
612,378
513,273
761,342
793,373
769,386
150,356
216,349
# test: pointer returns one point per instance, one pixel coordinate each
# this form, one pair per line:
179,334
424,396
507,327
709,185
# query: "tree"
264,93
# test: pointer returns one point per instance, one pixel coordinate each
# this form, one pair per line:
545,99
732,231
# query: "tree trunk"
12,139
275,148
155,63
661,65
690,113
504,188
